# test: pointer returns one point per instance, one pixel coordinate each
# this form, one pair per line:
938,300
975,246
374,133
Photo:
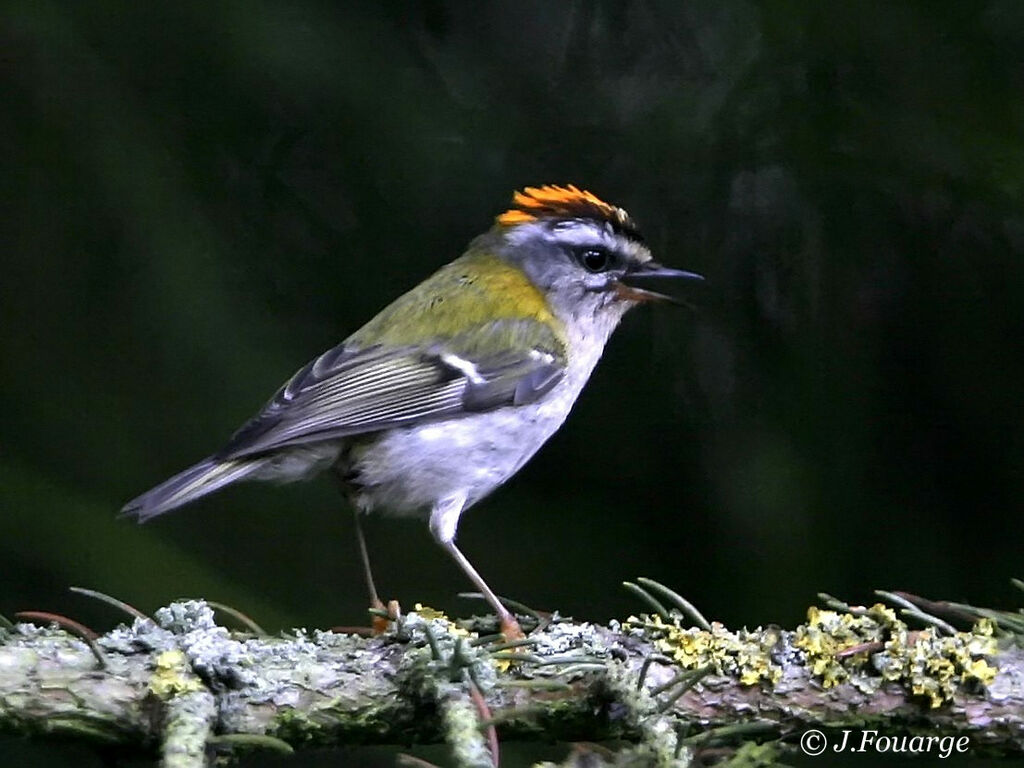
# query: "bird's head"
583,253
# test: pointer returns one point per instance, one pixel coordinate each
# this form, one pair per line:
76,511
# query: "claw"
511,630
384,616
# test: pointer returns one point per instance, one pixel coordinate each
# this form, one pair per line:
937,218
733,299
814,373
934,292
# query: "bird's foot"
511,630
383,616
381,619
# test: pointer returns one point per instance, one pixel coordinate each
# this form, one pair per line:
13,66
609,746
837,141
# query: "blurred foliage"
199,197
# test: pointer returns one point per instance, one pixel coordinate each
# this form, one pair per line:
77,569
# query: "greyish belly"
406,471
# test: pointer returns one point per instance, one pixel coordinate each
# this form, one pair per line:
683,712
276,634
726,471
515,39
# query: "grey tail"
207,476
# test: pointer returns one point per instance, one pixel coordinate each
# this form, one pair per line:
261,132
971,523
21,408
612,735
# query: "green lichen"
85,727
754,755
296,727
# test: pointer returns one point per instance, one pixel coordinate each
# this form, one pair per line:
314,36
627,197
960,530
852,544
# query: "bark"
184,687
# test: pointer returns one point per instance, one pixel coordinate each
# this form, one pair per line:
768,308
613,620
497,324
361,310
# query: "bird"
448,391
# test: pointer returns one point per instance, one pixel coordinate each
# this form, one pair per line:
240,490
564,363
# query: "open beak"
652,282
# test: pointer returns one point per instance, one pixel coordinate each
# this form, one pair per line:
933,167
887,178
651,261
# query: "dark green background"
200,197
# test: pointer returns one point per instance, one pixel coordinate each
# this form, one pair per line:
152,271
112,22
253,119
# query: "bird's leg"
509,626
379,623
367,571
444,519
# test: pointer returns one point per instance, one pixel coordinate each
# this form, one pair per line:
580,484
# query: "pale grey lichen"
186,616
658,745
563,637
188,723
461,724
441,666
142,635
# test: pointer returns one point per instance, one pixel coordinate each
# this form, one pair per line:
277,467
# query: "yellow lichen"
745,655
828,637
428,613
928,664
929,689
432,614
979,670
172,676
866,647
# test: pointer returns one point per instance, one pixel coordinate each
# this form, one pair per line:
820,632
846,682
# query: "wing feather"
352,390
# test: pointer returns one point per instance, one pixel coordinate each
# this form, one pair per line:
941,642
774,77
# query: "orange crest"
562,202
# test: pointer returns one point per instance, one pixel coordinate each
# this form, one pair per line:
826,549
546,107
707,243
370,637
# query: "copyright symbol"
813,743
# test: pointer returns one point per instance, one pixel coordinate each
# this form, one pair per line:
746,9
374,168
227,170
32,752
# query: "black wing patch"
349,391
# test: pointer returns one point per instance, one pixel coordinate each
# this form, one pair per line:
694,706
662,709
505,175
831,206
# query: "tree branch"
188,687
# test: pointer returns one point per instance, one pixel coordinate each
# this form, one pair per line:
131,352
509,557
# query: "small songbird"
446,393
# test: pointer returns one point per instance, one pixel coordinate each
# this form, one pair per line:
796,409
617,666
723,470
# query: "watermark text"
814,743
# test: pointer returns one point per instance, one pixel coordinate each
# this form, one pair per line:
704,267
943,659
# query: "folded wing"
353,390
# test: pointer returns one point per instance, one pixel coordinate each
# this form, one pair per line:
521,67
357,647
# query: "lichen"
172,676
745,655
828,637
438,669
561,637
427,613
658,743
185,616
461,724
295,726
873,645
440,649
866,647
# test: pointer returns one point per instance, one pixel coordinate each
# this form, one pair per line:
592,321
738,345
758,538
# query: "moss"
345,725
754,755
296,727
85,727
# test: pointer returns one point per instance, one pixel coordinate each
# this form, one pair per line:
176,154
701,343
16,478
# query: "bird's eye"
594,259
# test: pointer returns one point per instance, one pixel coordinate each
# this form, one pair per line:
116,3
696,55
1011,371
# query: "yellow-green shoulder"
470,291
